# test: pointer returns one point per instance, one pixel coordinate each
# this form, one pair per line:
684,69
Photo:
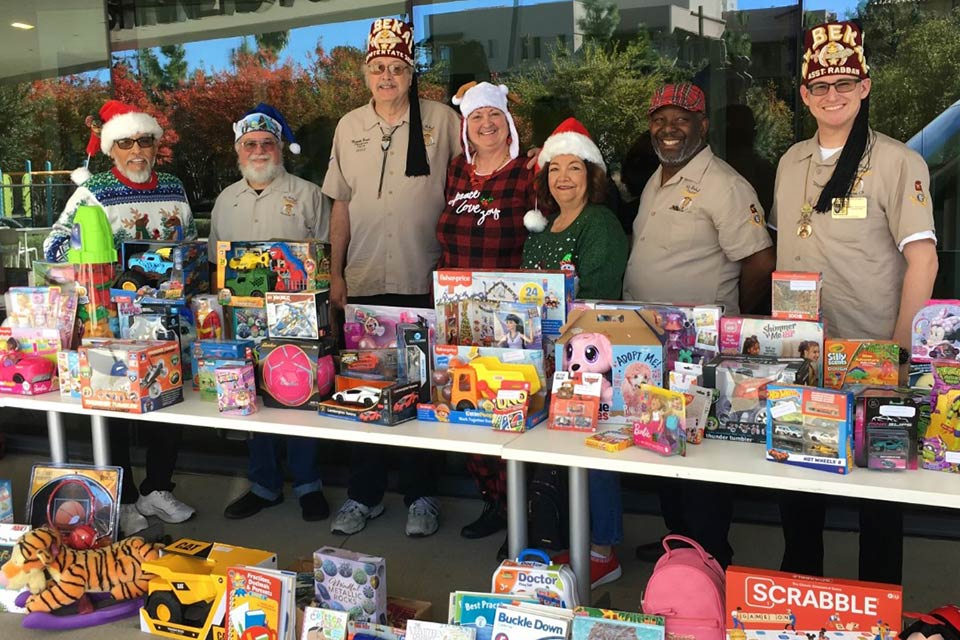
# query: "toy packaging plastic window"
575,401
661,426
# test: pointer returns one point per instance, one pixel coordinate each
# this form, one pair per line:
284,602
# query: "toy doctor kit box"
772,604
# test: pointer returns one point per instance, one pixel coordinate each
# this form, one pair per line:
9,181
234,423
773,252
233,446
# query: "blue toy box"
810,427
213,349
164,270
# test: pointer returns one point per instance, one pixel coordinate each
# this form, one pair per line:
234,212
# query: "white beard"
138,177
266,175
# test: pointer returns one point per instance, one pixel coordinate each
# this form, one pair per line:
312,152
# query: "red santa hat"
116,120
570,138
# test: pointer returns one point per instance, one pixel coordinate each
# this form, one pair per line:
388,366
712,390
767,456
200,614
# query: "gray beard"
138,177
261,176
682,158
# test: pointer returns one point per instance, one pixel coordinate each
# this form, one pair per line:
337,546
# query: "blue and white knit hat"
263,117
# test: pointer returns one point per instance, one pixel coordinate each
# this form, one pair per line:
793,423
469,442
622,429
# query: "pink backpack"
687,588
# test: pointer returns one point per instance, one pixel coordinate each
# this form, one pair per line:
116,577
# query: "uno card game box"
772,605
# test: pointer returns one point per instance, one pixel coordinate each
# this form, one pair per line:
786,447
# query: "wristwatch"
904,355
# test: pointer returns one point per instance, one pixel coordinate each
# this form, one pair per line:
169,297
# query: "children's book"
599,624
359,630
424,630
324,624
477,610
261,603
531,622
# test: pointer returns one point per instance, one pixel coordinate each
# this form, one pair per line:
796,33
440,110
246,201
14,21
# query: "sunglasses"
395,69
253,145
146,142
842,86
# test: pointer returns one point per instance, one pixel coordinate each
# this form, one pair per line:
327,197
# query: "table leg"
516,507
100,430
58,444
580,531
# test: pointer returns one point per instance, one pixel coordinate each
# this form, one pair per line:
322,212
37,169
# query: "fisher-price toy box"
623,347
760,336
247,271
810,427
772,605
134,376
466,381
869,362
352,582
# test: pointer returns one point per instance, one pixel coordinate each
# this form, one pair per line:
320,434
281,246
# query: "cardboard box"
382,401
131,376
168,270
294,374
236,390
304,314
6,503
399,610
68,370
775,604
810,427
775,338
936,332
883,409
867,362
247,271
796,295
225,349
353,582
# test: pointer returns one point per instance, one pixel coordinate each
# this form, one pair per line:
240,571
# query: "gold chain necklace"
804,228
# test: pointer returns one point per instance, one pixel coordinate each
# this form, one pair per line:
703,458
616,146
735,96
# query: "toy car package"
810,427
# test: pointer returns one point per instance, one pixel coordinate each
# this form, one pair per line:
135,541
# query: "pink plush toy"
593,353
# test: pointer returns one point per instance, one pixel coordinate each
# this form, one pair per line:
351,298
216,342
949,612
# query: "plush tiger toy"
58,576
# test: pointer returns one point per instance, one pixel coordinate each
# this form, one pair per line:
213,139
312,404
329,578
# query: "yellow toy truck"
475,384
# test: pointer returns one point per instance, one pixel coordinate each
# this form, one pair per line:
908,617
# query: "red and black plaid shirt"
481,226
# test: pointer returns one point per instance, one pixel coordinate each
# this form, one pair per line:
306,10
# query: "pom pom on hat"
265,118
534,220
80,175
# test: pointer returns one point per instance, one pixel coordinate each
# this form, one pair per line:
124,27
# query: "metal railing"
34,198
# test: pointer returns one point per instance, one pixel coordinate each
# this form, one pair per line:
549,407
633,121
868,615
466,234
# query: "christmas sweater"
153,210
481,226
594,247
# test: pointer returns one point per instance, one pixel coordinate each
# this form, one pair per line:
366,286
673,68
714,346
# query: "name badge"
855,208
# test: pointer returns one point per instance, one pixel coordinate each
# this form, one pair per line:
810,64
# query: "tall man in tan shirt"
699,238
386,176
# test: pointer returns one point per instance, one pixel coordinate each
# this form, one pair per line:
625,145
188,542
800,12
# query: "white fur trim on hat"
570,142
80,175
128,125
534,220
482,95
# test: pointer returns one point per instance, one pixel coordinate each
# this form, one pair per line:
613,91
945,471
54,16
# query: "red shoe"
602,571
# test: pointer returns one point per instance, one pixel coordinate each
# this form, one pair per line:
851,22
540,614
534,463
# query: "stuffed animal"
42,552
943,623
591,352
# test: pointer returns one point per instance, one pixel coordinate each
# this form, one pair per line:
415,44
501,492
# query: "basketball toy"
69,514
289,375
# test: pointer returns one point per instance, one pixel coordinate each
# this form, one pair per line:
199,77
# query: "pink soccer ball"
289,375
325,375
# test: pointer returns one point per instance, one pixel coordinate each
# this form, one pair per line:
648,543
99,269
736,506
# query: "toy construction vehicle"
476,383
187,596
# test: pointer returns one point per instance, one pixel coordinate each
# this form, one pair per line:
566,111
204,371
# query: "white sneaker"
131,520
352,517
165,506
423,518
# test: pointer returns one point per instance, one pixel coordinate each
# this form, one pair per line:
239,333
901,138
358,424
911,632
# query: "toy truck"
476,383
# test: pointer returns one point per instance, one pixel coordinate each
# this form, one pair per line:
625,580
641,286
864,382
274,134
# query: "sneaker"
492,520
131,520
166,507
602,570
423,518
352,517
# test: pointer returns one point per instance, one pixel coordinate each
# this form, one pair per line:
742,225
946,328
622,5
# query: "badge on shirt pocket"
289,202
428,139
853,208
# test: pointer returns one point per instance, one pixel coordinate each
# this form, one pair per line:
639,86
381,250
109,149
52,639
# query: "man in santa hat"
140,203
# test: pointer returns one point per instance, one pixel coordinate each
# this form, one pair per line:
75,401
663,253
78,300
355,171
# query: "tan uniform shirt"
690,235
290,207
859,256
393,235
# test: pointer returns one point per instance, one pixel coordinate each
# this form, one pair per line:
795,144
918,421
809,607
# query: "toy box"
140,320
796,295
96,313
609,624
6,503
9,535
936,332
374,364
353,582
294,374
68,370
213,349
163,270
190,578
775,338
236,390
810,427
131,376
64,497
767,604
207,374
662,423
941,438
740,383
550,290
533,575
420,368
375,327
466,381
885,430
208,317
870,362
53,307
248,323
621,346
303,314
247,271
28,361
575,401
374,401
611,440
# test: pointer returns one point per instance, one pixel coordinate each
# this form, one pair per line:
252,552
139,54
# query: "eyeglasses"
252,145
395,69
842,86
146,142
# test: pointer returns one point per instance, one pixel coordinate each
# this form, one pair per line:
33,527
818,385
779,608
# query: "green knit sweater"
594,246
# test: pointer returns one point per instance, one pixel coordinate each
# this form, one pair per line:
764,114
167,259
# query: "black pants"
701,511
162,442
418,469
881,537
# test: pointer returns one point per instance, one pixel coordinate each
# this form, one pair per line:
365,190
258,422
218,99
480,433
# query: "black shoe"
504,550
650,552
492,520
247,505
314,506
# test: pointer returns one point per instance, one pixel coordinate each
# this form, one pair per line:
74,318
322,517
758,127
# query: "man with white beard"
271,203
140,203
268,202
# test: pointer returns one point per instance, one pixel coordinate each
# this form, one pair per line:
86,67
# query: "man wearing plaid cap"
699,238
